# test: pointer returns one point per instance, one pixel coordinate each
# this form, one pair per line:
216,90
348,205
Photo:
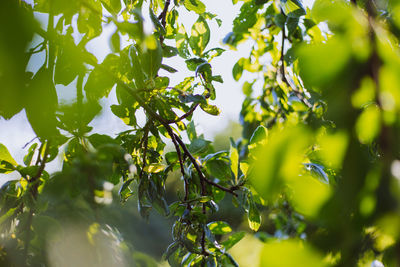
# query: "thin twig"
283,72
178,152
162,18
144,144
33,139
197,167
164,13
184,116
33,190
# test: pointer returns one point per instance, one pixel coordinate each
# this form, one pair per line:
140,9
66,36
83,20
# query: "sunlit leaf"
198,146
292,8
290,253
154,168
253,216
6,156
219,169
151,59
195,5
200,36
368,124
234,159
182,42
210,109
219,228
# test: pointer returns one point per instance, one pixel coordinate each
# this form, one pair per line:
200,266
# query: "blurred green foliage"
315,172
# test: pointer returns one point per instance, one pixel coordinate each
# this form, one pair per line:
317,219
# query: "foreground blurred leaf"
290,253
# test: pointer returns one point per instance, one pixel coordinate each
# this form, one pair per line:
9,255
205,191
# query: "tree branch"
184,116
33,190
144,144
197,167
283,72
178,151
164,13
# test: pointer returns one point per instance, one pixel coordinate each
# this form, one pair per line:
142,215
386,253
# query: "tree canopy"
316,172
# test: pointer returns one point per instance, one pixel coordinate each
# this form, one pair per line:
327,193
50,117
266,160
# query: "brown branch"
144,144
283,72
154,115
162,18
33,190
184,116
178,151
200,173
164,13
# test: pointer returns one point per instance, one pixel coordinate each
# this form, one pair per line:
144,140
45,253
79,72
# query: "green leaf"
170,250
124,192
171,157
157,24
195,5
154,168
69,63
42,104
204,69
200,36
89,19
134,30
246,19
292,8
136,65
168,68
258,138
368,124
253,216
280,20
313,58
219,169
204,199
219,228
238,69
182,42
191,131
115,42
234,158
58,6
126,114
217,78
193,63
151,59
100,139
6,156
31,151
192,98
7,215
169,51
112,6
198,146
100,82
290,252
233,240
213,52
210,109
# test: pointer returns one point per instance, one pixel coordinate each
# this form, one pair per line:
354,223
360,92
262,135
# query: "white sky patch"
395,169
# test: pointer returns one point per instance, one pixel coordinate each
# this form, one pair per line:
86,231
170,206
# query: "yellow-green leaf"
6,156
200,36
154,168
